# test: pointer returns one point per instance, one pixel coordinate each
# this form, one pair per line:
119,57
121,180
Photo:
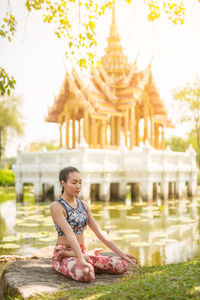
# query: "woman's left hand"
131,259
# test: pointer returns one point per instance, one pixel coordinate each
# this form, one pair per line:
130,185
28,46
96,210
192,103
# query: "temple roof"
114,61
110,87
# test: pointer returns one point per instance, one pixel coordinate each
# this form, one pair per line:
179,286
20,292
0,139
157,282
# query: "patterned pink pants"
71,267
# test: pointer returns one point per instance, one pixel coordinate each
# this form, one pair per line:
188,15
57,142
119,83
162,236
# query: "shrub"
7,178
198,177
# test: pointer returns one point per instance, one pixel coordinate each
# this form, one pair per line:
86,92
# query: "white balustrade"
143,165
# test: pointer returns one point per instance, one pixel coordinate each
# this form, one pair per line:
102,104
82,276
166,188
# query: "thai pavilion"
112,125
110,103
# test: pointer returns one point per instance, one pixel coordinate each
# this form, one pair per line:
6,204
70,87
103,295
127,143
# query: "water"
162,233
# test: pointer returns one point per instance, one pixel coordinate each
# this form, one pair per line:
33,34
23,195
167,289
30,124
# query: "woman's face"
73,184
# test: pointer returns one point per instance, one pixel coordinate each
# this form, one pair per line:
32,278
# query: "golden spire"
114,61
113,13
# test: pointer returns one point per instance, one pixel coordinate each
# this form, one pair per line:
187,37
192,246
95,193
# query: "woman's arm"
106,240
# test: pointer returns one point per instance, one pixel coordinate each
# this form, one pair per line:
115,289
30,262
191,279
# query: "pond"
162,233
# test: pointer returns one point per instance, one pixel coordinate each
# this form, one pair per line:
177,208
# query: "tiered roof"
110,87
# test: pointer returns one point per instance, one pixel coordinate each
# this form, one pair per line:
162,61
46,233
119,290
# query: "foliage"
6,163
177,143
10,119
175,281
37,146
8,27
7,30
198,177
61,14
189,96
64,14
6,82
7,178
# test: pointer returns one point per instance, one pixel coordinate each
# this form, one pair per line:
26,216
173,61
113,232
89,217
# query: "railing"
97,160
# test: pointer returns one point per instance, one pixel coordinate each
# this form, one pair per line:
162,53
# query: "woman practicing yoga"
71,216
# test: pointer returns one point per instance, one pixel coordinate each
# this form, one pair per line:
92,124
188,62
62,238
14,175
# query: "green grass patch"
7,178
175,281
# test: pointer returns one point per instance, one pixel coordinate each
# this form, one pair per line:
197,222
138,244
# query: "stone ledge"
36,276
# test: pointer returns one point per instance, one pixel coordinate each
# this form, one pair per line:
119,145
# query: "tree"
38,146
190,99
64,13
10,120
177,143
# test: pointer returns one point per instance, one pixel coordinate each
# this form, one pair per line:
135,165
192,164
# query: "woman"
71,216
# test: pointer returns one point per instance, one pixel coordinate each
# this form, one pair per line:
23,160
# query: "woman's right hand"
88,270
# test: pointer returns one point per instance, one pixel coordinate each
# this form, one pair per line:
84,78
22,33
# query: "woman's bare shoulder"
86,205
55,205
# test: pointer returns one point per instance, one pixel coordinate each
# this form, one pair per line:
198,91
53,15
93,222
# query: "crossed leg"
71,267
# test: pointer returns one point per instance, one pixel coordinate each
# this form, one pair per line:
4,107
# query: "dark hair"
64,174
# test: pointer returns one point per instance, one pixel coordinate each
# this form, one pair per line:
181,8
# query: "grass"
175,281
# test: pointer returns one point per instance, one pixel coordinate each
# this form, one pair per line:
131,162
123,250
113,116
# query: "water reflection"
8,214
161,233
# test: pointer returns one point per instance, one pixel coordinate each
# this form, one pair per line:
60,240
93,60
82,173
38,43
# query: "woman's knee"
120,265
73,269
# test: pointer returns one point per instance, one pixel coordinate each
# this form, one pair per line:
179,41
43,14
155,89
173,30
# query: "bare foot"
86,256
60,256
95,251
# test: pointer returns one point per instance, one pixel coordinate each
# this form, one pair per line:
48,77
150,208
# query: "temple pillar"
19,188
146,189
112,130
122,190
192,183
152,127
156,145
97,133
171,189
146,115
180,188
163,138
38,190
102,134
164,190
56,190
106,134
86,126
126,127
104,192
93,133
67,131
61,142
73,131
117,130
79,131
132,126
85,191
137,119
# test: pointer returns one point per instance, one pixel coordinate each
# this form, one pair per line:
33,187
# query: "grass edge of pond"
173,281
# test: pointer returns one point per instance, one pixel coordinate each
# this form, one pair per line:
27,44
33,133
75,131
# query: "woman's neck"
68,198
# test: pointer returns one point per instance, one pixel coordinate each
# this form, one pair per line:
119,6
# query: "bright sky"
37,61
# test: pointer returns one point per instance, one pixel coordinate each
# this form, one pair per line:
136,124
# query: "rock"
4,259
46,252
36,276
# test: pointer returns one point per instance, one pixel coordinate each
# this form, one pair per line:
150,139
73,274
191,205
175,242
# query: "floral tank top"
76,217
